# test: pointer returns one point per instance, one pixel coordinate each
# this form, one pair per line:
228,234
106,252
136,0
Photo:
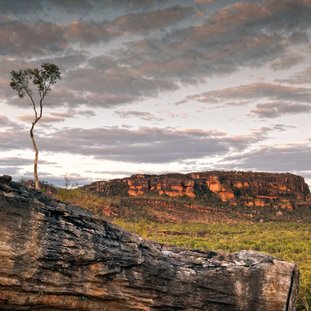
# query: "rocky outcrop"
55,256
236,188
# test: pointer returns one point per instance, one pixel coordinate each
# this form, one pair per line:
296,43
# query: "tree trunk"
35,162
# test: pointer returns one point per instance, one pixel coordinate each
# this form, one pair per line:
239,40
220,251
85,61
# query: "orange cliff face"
251,189
172,185
224,192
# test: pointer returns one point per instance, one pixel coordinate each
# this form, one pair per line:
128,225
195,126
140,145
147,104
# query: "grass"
288,241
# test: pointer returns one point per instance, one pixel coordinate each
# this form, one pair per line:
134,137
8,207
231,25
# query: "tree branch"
33,102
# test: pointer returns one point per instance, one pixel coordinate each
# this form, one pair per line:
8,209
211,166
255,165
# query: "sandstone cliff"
234,188
56,256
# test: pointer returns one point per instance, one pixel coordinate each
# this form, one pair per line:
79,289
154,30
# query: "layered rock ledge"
55,256
251,189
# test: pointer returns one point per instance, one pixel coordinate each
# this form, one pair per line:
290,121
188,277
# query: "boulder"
56,256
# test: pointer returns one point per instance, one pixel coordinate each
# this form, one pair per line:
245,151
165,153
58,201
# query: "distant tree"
36,84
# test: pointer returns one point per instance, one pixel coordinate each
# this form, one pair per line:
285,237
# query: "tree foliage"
42,80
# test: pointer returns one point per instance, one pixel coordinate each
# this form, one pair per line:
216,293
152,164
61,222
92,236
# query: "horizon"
67,183
158,87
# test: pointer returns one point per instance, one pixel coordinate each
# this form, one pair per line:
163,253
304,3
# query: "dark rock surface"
59,257
250,189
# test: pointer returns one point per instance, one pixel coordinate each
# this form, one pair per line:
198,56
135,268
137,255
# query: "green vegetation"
172,222
288,241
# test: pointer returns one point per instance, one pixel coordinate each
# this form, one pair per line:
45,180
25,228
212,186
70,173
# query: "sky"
157,86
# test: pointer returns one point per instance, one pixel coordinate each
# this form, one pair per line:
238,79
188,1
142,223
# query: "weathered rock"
59,257
236,188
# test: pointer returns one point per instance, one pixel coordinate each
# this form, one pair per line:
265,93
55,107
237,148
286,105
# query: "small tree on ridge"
36,84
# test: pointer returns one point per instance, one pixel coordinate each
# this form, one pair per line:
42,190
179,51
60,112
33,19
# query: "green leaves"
26,81
20,81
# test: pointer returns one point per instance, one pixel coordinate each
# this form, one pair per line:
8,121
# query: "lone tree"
36,84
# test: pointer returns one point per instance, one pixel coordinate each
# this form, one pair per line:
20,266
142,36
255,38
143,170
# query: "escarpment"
282,190
55,256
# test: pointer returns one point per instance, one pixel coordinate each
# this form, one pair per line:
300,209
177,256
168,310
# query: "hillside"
248,195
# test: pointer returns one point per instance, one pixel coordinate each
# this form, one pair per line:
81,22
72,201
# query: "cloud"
152,20
15,140
15,166
36,37
153,46
69,5
285,158
303,77
282,127
54,117
287,61
18,38
69,59
279,99
18,7
10,170
110,87
144,145
146,116
50,118
241,34
6,123
15,161
85,113
255,91
273,110
121,81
